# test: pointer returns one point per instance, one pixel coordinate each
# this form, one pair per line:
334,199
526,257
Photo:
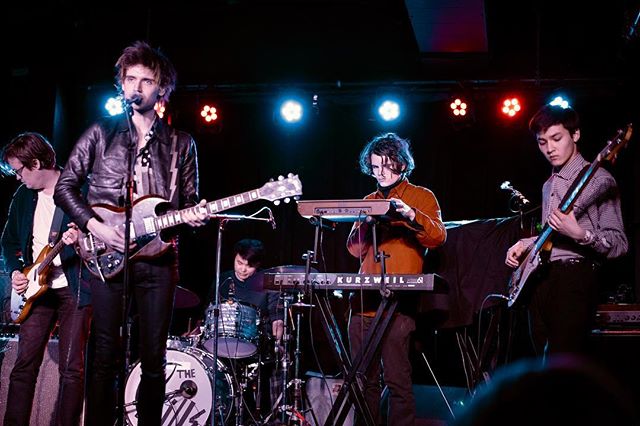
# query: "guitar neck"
55,250
175,218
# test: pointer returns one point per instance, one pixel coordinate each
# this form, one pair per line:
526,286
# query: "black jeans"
396,368
563,305
54,305
152,287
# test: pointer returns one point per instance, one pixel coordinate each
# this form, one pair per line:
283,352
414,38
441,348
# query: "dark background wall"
245,55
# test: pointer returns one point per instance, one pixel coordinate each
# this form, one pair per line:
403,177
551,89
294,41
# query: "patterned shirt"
597,210
144,178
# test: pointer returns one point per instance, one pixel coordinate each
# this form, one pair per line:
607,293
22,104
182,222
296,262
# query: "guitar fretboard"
175,218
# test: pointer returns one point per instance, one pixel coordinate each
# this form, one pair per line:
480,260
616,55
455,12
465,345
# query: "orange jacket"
405,242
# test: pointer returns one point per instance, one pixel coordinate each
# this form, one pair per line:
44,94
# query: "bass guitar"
38,275
147,222
531,259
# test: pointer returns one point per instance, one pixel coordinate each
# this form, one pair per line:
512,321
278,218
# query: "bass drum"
189,389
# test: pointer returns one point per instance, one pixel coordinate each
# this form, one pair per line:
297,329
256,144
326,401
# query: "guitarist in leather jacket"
32,160
564,290
165,165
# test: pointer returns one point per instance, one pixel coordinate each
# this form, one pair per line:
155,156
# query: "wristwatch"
587,239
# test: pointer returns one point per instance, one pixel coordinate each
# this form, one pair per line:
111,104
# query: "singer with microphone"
161,161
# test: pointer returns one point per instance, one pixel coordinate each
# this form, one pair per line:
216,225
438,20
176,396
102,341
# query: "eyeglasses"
18,172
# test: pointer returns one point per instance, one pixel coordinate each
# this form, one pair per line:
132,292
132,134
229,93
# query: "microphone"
188,389
134,99
272,220
506,186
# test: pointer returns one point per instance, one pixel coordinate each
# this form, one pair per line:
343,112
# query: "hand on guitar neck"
33,281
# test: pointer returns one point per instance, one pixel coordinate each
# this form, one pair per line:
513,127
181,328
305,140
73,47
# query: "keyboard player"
413,225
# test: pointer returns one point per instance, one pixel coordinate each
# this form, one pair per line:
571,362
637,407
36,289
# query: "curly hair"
394,148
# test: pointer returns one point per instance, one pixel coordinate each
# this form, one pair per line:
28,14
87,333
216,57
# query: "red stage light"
511,107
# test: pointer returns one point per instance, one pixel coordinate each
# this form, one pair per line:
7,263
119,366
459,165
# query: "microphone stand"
128,204
223,219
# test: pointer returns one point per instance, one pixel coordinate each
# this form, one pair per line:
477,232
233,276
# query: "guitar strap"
174,165
54,233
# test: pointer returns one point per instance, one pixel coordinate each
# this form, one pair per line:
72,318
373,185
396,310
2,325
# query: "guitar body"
107,262
38,285
522,273
149,217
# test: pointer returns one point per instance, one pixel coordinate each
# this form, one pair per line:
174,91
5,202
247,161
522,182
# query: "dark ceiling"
324,41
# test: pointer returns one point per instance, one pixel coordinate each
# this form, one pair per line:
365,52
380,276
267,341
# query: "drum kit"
245,355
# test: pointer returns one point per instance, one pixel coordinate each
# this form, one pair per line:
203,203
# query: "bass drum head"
189,391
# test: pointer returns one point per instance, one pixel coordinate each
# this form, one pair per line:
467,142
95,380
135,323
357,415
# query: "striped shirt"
597,209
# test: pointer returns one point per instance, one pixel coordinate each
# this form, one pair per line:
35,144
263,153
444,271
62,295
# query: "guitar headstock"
610,152
283,188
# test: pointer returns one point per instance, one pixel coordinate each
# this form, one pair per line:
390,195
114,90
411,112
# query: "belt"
576,261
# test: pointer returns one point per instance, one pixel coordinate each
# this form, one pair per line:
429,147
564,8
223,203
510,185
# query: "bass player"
564,293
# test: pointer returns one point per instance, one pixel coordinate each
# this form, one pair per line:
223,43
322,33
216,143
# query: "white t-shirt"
42,219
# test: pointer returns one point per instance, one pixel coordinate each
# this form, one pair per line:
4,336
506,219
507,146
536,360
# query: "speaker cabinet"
46,394
616,349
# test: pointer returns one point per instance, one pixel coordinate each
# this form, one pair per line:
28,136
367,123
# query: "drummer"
244,284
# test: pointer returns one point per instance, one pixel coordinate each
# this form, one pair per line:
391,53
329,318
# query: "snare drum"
237,330
189,389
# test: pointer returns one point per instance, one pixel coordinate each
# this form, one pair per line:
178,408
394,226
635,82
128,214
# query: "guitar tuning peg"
276,203
296,198
280,177
270,179
290,175
286,200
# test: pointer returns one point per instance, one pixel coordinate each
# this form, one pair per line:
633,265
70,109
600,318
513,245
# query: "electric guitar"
147,224
532,259
38,275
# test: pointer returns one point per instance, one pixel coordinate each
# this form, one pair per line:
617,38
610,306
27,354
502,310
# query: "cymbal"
185,298
286,269
301,305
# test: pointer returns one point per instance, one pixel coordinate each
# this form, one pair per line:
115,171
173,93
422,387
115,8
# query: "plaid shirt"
597,209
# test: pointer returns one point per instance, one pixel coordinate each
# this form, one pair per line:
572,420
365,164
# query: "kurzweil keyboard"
343,210
346,281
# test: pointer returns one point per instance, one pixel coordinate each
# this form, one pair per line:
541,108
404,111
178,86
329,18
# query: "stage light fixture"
209,113
560,101
114,106
511,107
459,108
291,111
160,108
389,110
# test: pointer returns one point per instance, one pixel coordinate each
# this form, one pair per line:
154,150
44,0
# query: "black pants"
152,287
562,307
393,359
55,305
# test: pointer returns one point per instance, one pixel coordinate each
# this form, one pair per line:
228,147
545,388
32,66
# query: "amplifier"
618,315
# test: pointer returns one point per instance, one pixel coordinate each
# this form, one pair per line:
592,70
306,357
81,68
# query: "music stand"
352,211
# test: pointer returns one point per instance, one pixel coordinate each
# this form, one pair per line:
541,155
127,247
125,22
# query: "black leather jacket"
100,159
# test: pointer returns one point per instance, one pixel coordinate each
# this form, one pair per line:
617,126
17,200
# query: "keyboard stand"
353,370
